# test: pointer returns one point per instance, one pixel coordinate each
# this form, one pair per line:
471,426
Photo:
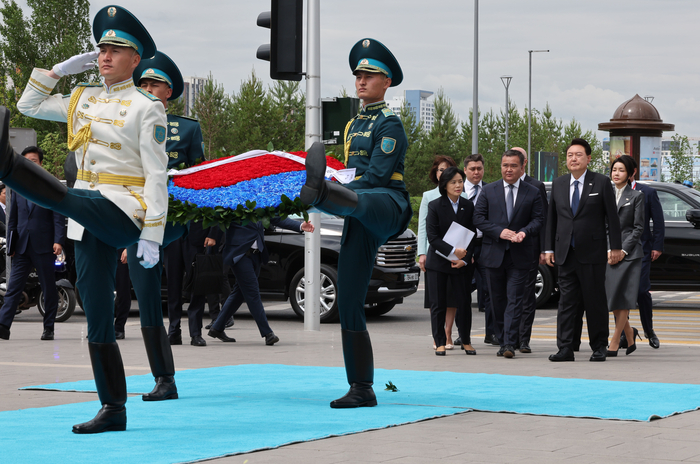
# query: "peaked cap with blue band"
117,26
161,68
372,56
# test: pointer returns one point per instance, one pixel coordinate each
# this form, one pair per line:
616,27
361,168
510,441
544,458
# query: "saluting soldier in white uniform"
120,197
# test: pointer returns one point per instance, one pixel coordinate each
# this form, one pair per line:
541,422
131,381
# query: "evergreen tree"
289,110
212,108
252,117
176,107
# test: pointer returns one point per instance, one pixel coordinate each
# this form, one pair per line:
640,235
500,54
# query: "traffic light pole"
312,241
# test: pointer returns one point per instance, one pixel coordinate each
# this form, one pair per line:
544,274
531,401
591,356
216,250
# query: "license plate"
410,277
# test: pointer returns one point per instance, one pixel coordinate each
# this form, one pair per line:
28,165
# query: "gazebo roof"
636,113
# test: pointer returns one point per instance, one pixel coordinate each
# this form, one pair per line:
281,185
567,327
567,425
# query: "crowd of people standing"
595,229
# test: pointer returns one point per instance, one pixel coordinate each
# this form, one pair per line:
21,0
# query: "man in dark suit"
473,186
510,214
36,236
581,205
244,252
3,215
530,298
653,246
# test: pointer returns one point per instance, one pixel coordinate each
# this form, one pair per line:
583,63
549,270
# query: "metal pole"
475,91
529,114
506,82
312,241
529,109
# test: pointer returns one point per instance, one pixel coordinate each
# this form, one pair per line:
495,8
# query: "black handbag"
206,277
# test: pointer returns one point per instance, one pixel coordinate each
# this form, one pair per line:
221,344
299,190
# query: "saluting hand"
76,64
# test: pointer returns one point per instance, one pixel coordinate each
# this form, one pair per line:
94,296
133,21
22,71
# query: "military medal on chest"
122,113
173,131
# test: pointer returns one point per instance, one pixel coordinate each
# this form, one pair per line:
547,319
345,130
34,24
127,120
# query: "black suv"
678,268
395,274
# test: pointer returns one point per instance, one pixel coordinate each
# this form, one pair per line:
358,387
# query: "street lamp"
529,108
506,84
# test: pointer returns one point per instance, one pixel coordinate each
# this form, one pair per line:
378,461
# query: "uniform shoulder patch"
150,96
90,84
387,112
159,133
388,144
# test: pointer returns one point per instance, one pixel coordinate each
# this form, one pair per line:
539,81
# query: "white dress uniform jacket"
126,146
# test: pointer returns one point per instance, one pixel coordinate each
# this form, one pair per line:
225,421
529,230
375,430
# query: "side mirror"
693,217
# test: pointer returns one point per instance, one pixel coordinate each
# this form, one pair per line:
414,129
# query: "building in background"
193,87
419,102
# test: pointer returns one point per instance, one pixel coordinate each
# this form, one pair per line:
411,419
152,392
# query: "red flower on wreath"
253,168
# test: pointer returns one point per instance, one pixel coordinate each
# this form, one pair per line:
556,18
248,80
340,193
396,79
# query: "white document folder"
459,237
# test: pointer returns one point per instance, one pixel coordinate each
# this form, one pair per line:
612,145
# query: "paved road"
401,340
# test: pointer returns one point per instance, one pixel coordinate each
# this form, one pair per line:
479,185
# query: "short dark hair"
447,176
2,186
36,150
476,157
583,143
439,159
517,153
629,164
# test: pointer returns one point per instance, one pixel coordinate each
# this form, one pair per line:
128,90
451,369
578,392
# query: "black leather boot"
359,366
21,175
327,196
108,369
160,357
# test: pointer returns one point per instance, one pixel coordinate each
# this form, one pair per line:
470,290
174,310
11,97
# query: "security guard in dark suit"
161,77
120,197
376,204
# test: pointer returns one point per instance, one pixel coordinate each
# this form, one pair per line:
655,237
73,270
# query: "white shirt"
455,204
516,185
469,190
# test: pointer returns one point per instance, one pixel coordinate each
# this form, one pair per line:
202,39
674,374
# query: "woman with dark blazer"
442,212
622,279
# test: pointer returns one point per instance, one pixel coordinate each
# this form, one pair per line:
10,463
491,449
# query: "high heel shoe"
612,353
636,334
440,351
633,346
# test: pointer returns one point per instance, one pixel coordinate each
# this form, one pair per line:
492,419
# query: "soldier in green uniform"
376,204
160,77
120,196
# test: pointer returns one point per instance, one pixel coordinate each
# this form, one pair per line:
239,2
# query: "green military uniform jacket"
184,142
375,145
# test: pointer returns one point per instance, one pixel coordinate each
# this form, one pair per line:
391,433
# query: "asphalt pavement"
402,340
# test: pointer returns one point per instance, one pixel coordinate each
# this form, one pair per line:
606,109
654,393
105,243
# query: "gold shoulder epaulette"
151,96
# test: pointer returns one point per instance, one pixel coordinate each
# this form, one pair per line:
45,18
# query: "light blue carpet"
236,409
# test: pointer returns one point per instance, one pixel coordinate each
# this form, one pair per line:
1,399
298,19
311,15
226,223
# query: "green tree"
680,161
55,150
176,107
289,111
252,116
54,31
212,108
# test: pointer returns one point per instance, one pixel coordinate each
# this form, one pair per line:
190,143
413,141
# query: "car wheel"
329,293
379,309
66,303
544,286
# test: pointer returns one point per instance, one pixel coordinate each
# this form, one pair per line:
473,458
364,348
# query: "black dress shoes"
492,340
208,326
508,351
197,340
175,339
47,335
501,351
220,335
109,419
599,355
4,332
119,335
230,322
271,339
653,339
525,348
564,354
458,341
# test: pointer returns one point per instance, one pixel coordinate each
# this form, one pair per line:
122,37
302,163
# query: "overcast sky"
601,52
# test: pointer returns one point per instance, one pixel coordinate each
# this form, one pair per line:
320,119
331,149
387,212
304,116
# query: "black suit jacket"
440,218
596,209
33,224
543,195
3,221
652,210
240,238
491,218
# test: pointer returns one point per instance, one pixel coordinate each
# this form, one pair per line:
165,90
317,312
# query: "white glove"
76,64
149,251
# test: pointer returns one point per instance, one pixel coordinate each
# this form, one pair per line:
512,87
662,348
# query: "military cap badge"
112,12
365,43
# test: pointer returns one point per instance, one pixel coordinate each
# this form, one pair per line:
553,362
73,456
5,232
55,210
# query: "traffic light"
284,50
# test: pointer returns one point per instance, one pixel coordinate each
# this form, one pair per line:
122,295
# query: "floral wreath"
254,186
